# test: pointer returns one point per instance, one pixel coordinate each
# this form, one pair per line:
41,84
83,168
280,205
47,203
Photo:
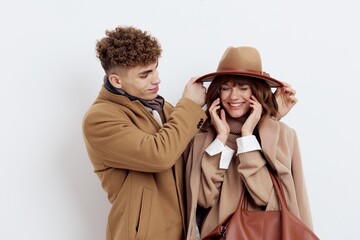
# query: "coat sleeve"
281,149
117,141
255,174
211,179
300,185
253,171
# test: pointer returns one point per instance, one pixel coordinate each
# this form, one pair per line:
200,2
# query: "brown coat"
280,146
139,164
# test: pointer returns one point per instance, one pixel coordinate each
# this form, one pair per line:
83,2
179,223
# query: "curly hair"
259,88
127,47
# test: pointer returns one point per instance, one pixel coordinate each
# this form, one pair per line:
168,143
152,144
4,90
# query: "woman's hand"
254,117
285,98
218,119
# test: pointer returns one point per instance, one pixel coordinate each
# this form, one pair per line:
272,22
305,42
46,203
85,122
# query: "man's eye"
144,76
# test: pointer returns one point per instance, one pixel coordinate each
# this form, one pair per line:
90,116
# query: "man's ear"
115,80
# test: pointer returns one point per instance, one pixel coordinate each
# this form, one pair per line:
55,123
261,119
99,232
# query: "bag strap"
279,189
244,201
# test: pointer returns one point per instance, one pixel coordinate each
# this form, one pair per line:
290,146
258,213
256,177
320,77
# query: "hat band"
242,71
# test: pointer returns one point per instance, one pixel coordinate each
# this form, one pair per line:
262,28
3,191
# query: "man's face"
141,82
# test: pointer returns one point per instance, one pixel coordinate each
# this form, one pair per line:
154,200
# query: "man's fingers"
290,90
286,84
193,80
293,100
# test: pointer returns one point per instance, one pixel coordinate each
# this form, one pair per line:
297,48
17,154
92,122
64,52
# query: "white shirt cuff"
227,153
247,144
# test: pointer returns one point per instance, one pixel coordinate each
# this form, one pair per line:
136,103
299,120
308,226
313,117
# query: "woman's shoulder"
285,126
271,127
287,133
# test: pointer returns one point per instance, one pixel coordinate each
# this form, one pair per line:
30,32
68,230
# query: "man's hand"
195,91
285,98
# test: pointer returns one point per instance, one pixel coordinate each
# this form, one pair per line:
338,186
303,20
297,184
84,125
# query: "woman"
233,148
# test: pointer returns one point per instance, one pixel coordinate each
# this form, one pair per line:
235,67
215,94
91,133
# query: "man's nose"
156,79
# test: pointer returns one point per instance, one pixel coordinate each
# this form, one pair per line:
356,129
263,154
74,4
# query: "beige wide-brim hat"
245,61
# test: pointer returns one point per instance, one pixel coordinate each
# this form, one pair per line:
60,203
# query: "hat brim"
269,80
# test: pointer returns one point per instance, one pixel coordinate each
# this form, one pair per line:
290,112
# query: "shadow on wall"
86,195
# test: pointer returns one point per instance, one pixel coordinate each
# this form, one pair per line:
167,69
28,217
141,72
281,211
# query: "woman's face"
235,98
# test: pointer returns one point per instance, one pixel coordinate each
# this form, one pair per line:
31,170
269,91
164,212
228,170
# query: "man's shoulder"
104,109
168,106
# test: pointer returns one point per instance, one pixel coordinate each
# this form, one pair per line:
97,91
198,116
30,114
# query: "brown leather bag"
266,225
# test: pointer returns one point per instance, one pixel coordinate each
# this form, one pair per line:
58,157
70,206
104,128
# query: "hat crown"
242,61
241,58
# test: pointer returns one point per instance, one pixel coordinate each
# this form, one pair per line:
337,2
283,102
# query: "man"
135,139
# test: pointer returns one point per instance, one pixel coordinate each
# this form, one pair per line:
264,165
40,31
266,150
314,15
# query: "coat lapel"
269,131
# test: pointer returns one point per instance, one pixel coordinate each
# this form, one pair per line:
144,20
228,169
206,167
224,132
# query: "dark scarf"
155,104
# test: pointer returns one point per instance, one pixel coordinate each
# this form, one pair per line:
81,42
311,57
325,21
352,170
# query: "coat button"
200,123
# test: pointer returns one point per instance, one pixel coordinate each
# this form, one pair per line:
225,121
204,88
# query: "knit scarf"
235,129
155,104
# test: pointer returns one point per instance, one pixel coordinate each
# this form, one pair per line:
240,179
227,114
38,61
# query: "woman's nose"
235,94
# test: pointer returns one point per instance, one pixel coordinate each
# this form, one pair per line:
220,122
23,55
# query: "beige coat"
280,146
139,164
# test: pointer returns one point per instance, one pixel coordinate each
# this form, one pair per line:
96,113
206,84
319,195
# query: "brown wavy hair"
127,47
259,88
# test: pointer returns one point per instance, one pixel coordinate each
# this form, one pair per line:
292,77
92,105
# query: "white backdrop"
49,77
